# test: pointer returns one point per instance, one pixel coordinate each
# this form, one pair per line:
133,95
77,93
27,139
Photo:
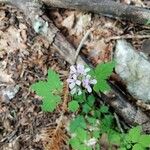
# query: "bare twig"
118,123
127,37
81,44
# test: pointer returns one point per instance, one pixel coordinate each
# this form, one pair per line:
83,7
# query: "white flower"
91,142
86,82
79,78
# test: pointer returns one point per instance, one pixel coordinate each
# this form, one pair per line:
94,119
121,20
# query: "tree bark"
129,112
44,26
106,8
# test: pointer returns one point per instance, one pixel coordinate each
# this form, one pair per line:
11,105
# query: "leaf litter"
26,57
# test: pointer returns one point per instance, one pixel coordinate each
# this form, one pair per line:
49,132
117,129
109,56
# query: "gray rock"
134,68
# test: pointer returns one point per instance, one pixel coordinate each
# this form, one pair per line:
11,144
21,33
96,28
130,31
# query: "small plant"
135,140
90,121
49,90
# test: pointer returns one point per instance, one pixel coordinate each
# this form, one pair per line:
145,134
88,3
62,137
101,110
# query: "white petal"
88,76
70,80
87,70
89,89
78,82
93,81
73,91
91,142
79,92
74,76
72,69
79,66
71,86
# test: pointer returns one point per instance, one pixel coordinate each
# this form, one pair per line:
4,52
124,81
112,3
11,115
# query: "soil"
25,58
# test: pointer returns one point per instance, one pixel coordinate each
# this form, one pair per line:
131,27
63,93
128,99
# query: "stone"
134,69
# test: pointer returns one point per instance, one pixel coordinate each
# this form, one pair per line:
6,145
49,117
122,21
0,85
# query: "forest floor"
25,58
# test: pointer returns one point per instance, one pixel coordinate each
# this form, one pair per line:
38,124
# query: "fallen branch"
106,8
130,113
81,44
44,26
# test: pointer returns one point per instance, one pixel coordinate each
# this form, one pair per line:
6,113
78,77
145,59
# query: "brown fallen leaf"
69,21
5,78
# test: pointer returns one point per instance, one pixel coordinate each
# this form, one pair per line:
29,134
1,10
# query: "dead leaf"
5,78
7,125
2,15
83,20
69,21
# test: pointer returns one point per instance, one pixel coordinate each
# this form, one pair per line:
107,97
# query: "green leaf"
114,137
84,147
49,91
86,108
41,88
134,134
148,22
73,106
144,140
102,72
78,122
96,134
102,86
53,81
129,146
80,98
97,114
75,143
122,148
81,134
91,100
50,103
138,147
106,123
91,120
104,109
97,147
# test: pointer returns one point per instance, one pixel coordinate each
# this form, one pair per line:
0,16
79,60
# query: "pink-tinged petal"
87,70
93,81
89,89
85,82
80,69
72,85
70,80
78,82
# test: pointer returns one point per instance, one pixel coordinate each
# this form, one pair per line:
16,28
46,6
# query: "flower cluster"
78,78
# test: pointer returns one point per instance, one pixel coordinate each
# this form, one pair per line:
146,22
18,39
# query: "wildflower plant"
89,121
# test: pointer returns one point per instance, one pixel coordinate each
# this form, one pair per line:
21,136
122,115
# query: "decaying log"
44,26
129,112
105,7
